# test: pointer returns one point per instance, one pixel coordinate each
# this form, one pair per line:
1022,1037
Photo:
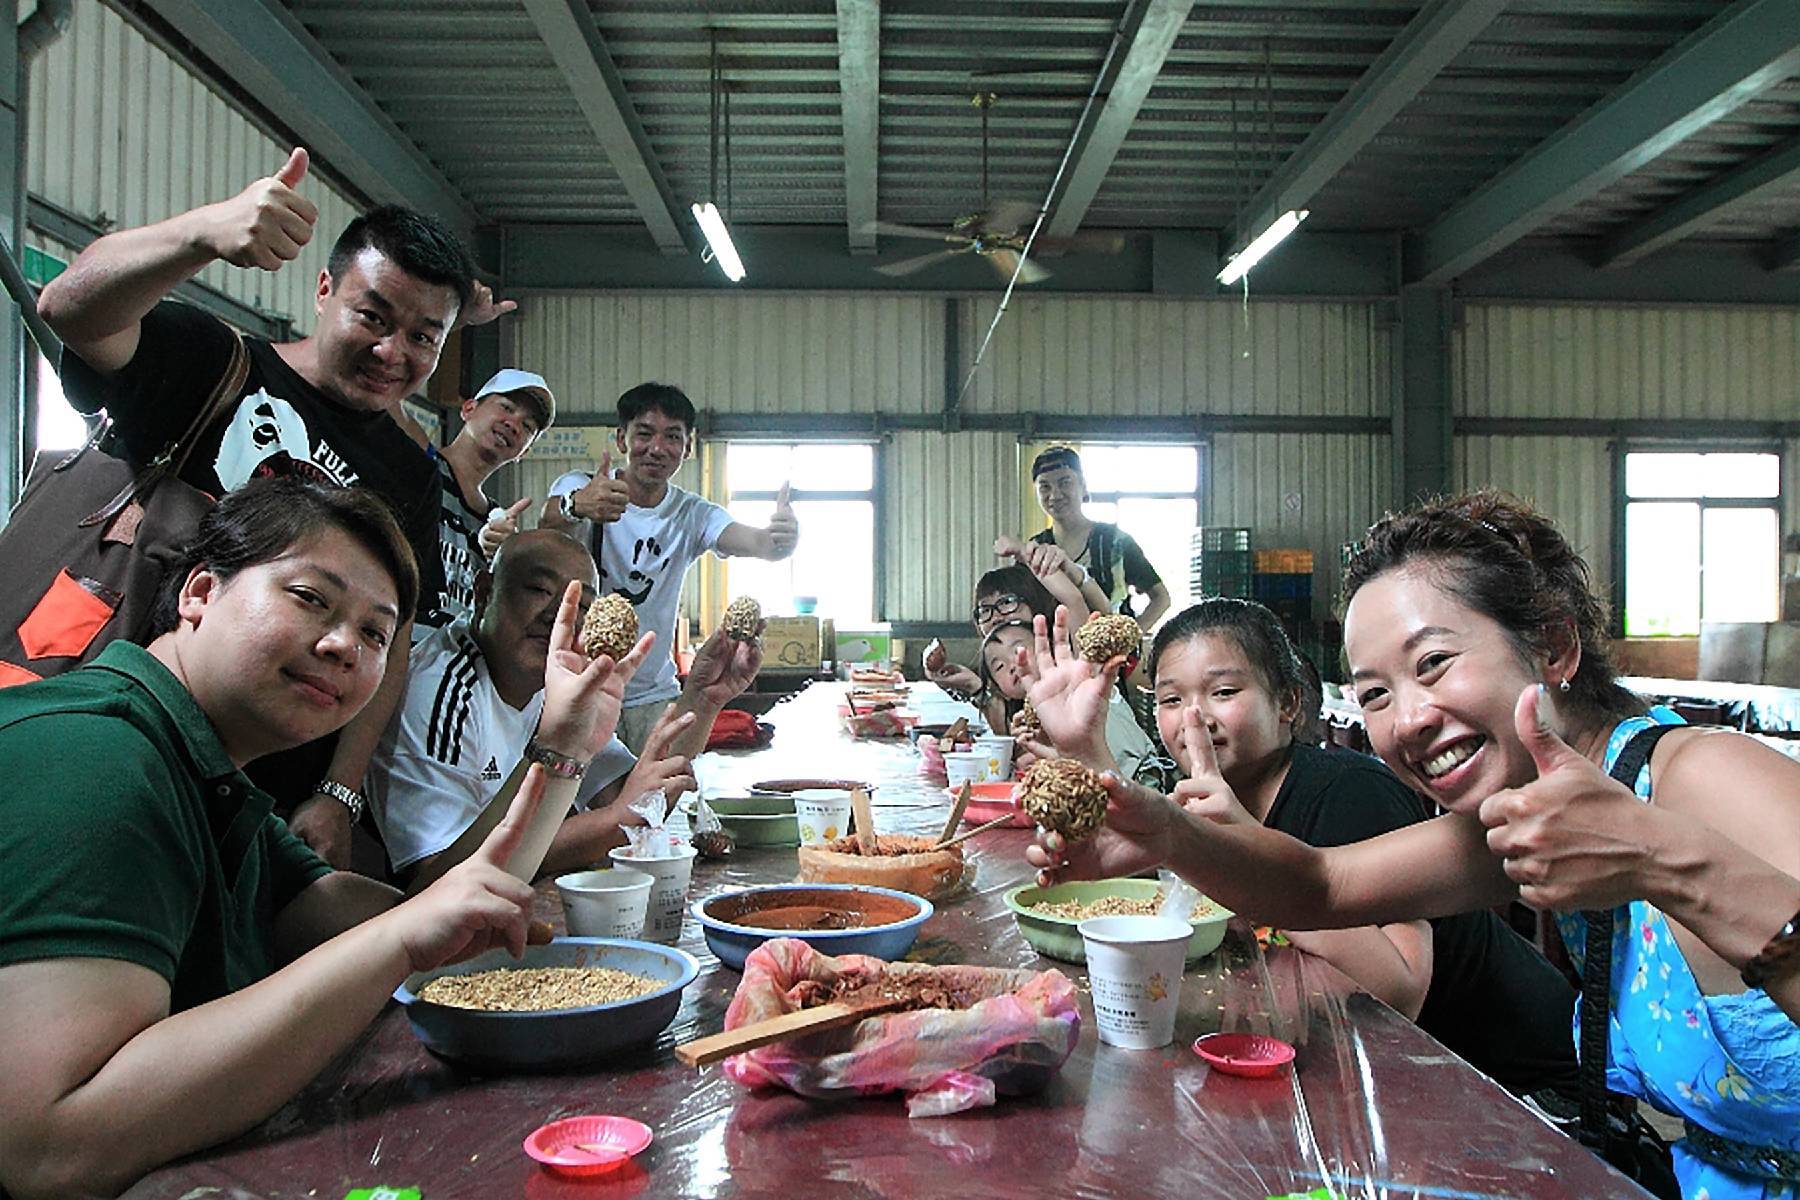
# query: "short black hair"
1253,628
267,517
1018,581
665,398
420,245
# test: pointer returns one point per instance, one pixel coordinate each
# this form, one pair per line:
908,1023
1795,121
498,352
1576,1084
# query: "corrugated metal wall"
1146,357
120,130
1613,361
740,354
1315,491
946,498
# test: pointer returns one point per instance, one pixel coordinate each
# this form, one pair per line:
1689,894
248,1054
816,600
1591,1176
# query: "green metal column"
12,224
1422,419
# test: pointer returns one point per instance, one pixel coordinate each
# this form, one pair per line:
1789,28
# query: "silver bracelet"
554,762
349,797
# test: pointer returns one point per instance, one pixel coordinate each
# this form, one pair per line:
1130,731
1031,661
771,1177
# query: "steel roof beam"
1749,47
567,28
1732,192
1415,57
1152,27
859,74
1786,254
265,50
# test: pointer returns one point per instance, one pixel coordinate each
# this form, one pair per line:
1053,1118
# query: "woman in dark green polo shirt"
148,897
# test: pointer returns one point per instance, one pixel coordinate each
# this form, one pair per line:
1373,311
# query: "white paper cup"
997,748
1134,968
605,903
966,766
668,894
822,814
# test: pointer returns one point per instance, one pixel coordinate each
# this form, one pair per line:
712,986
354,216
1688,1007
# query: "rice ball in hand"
743,619
1109,636
1064,797
610,628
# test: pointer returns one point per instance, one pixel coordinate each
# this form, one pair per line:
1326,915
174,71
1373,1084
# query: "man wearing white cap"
499,424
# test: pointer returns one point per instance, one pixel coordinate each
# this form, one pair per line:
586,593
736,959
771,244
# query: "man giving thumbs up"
321,407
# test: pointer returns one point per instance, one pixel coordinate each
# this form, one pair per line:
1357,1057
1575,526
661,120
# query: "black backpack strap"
1596,965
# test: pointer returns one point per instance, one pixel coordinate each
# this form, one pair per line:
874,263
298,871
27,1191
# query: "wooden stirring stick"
964,836
865,821
707,1050
953,735
956,811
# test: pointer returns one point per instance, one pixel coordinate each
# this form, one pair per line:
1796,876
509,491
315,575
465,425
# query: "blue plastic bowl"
733,942
567,1037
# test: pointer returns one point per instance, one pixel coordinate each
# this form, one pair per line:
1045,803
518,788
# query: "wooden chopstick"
956,811
865,821
707,1050
966,834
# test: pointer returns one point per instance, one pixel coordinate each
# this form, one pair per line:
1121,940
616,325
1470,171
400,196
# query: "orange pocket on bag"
64,622
12,673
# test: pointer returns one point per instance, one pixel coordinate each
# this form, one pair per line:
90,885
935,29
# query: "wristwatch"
554,762
1779,956
349,797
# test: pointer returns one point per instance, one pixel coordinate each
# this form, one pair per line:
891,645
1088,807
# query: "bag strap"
175,455
1596,966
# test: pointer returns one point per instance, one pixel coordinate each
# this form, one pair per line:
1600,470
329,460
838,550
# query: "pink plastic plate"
587,1145
1249,1054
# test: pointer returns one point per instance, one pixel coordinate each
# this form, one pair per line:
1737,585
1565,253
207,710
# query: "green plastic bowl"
758,820
1058,938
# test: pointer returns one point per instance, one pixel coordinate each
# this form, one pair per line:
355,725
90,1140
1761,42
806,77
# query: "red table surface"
1374,1103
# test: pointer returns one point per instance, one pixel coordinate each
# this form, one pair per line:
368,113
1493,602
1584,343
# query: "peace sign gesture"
1204,792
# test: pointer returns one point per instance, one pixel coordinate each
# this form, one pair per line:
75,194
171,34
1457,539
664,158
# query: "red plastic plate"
1249,1054
587,1145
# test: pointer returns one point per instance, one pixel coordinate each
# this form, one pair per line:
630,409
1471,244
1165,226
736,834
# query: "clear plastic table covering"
1372,1106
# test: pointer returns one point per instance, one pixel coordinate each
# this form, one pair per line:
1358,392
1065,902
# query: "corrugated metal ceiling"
472,83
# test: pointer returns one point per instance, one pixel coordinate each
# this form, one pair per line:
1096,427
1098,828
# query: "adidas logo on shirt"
491,772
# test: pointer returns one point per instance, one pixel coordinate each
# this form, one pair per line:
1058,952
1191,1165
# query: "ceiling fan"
997,232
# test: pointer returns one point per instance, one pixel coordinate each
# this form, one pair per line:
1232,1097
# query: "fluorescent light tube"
1264,242
719,238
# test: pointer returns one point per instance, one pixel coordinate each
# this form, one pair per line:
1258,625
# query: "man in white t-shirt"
645,532
455,752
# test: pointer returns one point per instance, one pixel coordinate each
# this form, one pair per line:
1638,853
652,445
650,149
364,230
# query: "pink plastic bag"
1010,1042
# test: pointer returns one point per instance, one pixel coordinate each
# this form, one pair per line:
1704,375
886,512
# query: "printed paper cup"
822,813
1134,968
966,766
997,748
605,903
668,894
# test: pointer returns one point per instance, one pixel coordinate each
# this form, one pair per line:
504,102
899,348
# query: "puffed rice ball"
1109,636
1064,797
743,619
611,627
1025,723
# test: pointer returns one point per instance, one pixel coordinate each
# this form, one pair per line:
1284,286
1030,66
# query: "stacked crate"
1221,562
1283,583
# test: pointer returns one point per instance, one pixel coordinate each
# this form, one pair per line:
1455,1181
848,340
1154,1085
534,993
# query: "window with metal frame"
1702,539
833,493
1151,490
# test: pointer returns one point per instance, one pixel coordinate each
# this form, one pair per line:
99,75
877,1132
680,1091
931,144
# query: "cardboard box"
791,644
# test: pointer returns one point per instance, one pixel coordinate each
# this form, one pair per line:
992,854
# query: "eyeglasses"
1000,606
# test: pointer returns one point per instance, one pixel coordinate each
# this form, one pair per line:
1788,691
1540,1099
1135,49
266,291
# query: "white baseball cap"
509,380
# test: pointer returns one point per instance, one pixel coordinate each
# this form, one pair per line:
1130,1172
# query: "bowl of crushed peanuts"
569,1003
1048,916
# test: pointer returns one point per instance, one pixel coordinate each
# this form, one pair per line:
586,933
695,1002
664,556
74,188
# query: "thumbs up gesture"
1573,837
266,224
603,498
784,530
500,526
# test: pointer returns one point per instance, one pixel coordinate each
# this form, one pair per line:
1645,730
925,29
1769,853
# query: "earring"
1563,686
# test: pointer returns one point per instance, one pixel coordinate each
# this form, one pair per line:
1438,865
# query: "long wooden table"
1374,1105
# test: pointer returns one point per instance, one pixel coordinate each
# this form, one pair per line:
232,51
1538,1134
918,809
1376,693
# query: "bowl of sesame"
569,1003
1048,916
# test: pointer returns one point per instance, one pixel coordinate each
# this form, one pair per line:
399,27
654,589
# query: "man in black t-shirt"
322,407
